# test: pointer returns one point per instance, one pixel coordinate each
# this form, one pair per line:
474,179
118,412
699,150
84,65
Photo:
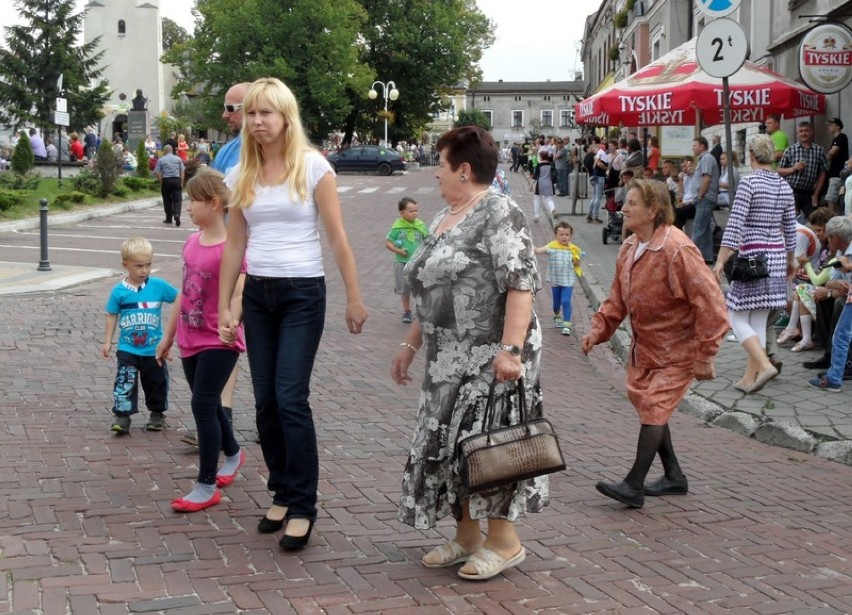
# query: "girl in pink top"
207,360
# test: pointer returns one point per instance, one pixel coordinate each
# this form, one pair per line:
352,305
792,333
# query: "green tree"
473,117
429,49
23,158
173,34
142,168
108,168
535,129
37,52
311,45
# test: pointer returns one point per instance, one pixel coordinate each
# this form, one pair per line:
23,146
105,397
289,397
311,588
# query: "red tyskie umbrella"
671,90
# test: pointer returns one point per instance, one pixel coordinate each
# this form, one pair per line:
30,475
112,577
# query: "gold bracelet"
409,346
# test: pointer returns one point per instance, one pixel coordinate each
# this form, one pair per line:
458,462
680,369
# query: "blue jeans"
840,346
133,368
207,373
702,228
595,205
284,319
562,298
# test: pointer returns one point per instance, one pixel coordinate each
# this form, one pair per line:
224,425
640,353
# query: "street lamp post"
388,91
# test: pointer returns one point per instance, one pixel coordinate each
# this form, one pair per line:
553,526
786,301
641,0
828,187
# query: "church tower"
132,42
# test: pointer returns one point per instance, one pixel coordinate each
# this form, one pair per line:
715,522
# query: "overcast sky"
534,42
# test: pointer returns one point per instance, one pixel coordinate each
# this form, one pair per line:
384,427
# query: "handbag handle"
489,406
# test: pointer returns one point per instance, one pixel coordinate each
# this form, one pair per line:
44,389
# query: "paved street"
86,527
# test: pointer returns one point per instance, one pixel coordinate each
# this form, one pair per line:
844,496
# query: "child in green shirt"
404,237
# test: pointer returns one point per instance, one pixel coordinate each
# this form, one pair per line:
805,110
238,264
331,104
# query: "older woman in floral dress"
677,316
472,282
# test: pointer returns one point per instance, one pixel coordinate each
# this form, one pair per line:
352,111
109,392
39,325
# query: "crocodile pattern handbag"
508,454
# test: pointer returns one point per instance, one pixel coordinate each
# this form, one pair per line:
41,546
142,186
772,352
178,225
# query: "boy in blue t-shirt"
135,305
404,237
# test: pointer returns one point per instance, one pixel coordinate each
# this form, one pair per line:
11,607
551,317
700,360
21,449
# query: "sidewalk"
86,527
787,412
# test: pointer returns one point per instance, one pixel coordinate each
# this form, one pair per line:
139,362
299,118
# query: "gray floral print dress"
459,281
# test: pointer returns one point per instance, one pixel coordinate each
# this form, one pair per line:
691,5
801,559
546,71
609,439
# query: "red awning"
670,90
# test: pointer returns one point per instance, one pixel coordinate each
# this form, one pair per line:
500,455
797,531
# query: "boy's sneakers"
824,385
566,330
557,322
406,317
121,424
156,422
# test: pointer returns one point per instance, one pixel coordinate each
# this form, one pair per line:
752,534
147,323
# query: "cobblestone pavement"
86,528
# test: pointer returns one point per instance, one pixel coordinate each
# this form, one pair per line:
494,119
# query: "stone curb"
28,224
764,429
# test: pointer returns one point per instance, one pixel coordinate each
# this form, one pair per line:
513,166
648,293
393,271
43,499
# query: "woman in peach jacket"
678,318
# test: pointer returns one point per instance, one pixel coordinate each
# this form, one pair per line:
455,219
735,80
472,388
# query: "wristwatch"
515,351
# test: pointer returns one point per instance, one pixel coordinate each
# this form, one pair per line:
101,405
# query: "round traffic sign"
721,48
718,8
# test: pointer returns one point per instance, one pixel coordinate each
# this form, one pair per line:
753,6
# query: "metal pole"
385,90
726,110
43,264
59,156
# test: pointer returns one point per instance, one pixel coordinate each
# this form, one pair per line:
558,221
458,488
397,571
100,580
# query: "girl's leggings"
562,298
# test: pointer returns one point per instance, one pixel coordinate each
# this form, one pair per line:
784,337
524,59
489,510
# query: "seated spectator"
811,260
689,182
831,298
129,162
76,147
52,152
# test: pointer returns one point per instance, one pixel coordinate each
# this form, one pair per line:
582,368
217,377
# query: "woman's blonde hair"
272,92
655,192
206,185
762,148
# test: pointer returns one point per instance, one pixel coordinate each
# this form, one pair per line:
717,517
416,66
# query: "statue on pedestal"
140,103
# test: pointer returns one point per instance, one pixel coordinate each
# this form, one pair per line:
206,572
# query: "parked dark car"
367,159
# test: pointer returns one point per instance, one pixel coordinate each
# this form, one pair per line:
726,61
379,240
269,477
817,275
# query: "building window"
566,118
486,99
546,97
122,29
517,119
517,99
547,118
490,115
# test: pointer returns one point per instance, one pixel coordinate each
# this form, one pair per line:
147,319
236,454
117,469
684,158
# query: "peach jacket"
676,309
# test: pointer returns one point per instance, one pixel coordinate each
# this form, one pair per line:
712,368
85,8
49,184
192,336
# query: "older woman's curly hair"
655,193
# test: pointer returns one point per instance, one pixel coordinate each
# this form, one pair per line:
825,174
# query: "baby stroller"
614,222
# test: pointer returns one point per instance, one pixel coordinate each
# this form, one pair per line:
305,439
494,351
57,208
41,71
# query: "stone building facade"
518,108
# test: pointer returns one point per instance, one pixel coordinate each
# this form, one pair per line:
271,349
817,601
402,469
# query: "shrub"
142,168
88,182
16,181
9,199
136,183
119,191
69,197
108,168
23,158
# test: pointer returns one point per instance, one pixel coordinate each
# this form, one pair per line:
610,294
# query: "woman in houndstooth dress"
762,221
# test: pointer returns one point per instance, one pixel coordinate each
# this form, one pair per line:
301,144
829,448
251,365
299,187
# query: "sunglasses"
233,108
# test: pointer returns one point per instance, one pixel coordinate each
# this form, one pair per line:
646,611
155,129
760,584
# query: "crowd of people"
254,282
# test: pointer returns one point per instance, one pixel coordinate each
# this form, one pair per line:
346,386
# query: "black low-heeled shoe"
622,492
269,526
295,543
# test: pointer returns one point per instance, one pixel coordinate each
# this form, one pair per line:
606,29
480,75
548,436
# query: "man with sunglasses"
229,154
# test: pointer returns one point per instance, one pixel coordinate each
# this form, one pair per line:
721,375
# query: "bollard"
43,264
